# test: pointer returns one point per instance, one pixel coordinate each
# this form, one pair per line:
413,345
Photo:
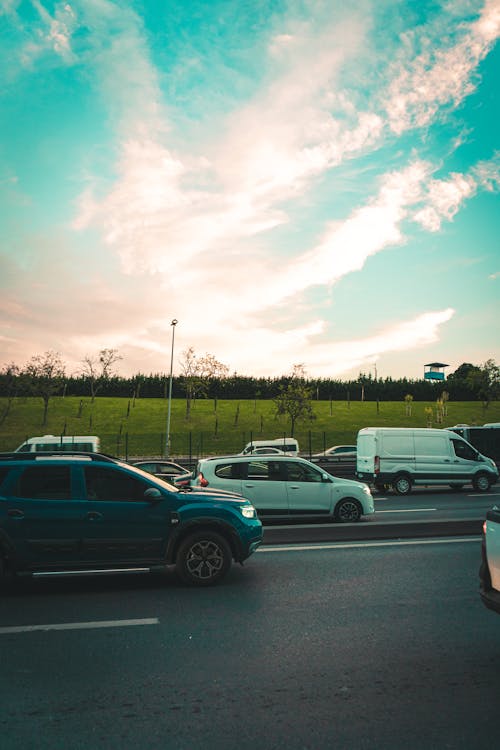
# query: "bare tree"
192,380
45,376
294,400
197,374
97,370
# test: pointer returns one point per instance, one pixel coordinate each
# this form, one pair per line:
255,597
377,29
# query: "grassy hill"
138,428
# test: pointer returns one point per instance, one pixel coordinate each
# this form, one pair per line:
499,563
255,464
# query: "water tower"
434,371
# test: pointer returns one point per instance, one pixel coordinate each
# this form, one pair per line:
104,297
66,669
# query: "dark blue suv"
88,512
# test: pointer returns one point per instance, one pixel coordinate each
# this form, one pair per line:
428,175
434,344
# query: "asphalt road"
371,645
425,512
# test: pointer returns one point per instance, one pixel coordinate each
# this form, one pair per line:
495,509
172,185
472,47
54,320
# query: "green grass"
138,429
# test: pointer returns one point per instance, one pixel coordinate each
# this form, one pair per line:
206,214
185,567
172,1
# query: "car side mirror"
326,478
153,494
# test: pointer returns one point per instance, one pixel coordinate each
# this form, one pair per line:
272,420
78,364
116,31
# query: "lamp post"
167,442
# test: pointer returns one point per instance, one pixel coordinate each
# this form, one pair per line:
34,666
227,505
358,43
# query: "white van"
66,443
402,457
286,445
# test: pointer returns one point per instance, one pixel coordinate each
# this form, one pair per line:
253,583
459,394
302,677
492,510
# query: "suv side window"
103,483
44,483
297,472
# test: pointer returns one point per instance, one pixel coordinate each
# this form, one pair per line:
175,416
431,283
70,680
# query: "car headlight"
248,511
366,489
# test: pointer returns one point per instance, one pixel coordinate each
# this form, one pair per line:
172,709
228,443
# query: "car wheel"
348,510
402,484
481,482
203,559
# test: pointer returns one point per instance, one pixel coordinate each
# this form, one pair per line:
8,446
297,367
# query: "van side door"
464,460
434,459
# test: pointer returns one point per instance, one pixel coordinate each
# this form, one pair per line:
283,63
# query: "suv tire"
203,558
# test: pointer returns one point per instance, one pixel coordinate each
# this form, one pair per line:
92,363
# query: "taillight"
377,465
202,481
484,527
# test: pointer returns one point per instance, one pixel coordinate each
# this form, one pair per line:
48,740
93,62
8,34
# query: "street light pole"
167,442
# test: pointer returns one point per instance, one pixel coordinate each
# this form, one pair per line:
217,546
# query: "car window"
229,470
170,469
104,483
259,469
297,472
147,467
462,450
44,483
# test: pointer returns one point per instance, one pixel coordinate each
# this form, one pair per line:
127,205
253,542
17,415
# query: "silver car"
285,486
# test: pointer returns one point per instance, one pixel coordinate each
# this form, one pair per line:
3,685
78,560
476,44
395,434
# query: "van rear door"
365,454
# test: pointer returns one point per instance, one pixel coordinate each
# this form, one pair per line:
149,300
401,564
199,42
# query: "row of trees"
206,377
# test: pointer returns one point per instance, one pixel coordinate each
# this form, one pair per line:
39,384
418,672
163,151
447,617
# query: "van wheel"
203,559
481,482
402,484
348,510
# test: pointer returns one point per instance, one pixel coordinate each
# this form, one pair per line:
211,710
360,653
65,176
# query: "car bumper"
491,599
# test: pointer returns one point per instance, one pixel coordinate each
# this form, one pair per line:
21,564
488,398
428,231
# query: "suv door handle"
15,513
94,515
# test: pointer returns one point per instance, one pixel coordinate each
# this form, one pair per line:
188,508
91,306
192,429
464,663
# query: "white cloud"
440,75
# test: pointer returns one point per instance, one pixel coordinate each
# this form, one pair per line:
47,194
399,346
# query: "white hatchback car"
284,486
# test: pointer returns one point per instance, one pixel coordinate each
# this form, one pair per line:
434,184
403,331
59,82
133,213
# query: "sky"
294,181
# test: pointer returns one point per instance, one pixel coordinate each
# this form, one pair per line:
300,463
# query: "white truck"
403,457
489,572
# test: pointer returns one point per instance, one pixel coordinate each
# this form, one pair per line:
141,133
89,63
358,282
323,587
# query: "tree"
191,377
45,375
97,370
11,381
486,381
198,373
294,399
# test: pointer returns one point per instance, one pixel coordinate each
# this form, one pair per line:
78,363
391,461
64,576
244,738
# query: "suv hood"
209,493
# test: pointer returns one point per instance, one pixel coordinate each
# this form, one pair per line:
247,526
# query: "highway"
360,645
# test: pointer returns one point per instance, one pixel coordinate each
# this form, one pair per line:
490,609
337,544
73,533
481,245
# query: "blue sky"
296,182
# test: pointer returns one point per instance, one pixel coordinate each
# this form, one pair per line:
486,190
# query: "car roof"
252,457
58,456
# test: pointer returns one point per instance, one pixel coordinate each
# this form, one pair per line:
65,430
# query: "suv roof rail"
28,456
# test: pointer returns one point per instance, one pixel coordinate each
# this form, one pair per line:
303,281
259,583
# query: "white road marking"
406,510
356,545
80,625
483,495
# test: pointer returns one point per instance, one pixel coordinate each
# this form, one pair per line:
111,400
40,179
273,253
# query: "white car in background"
336,453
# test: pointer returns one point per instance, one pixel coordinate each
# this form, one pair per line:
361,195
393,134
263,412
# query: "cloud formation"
245,220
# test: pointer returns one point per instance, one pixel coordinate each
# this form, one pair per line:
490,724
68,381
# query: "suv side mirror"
152,494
